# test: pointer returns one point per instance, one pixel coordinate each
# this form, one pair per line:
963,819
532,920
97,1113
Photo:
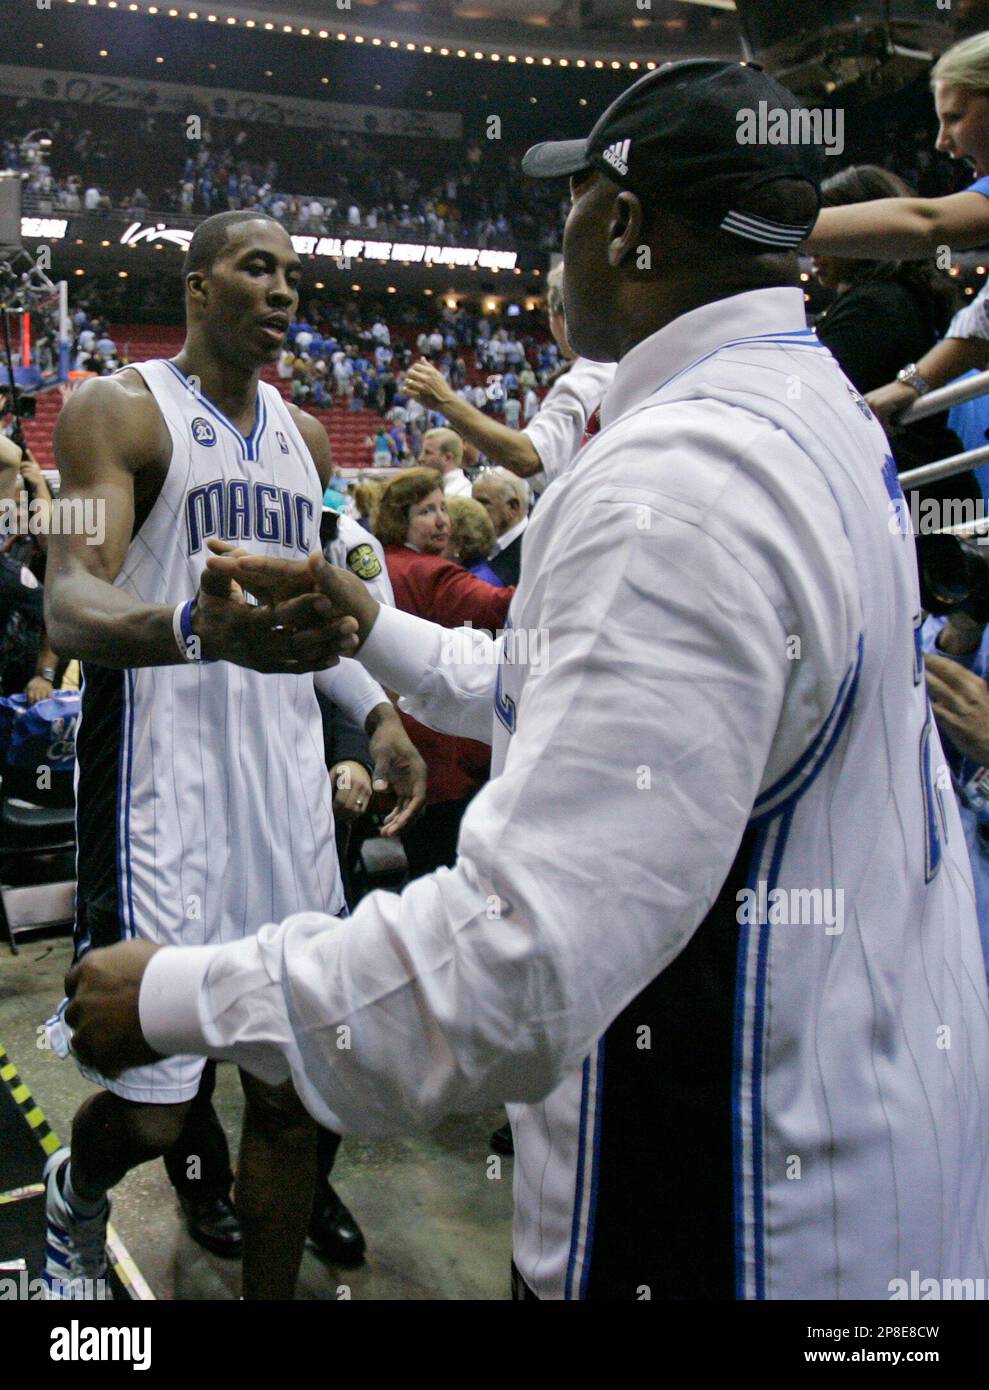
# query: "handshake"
310,613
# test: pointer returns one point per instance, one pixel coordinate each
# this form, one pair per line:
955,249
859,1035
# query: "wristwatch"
47,673
910,376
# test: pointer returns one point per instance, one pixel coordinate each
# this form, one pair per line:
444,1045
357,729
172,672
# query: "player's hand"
398,768
37,689
265,577
103,991
890,401
960,701
352,790
428,386
286,581
302,634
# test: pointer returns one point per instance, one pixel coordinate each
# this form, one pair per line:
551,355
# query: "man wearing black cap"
711,928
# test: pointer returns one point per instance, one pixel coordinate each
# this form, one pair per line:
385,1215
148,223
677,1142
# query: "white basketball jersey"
204,804
810,1117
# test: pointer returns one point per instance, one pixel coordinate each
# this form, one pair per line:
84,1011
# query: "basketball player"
203,803
711,926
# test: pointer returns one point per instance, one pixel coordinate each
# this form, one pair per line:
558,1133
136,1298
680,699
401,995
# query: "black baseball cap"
681,138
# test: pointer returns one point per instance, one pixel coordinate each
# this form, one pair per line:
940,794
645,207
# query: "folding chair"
37,814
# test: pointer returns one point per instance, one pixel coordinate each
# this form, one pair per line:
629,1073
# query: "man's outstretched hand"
292,629
103,990
398,768
284,582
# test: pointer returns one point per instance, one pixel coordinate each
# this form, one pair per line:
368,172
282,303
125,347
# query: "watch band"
911,377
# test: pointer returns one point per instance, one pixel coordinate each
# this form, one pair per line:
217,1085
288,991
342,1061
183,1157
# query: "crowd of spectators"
421,189
93,350
339,355
356,354
361,192
101,161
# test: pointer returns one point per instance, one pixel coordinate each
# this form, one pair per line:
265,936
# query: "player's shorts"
168,1082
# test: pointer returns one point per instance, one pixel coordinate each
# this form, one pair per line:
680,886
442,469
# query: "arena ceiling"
586,28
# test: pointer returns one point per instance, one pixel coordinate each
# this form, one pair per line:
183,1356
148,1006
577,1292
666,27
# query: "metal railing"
957,393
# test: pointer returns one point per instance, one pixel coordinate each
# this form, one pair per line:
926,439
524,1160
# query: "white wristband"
182,629
177,630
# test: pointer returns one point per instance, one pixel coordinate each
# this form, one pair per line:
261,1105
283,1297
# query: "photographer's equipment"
21,285
954,576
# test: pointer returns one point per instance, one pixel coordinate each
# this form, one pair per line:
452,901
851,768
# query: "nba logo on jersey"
203,432
282,441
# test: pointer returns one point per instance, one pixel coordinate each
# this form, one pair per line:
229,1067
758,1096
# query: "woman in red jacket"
413,526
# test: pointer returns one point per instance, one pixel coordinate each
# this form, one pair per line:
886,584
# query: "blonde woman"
915,228
367,495
472,538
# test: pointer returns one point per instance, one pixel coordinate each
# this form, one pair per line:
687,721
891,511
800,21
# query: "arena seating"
348,430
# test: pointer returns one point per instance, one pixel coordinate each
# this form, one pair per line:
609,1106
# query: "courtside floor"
436,1216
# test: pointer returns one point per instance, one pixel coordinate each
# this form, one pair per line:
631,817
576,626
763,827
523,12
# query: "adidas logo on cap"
617,155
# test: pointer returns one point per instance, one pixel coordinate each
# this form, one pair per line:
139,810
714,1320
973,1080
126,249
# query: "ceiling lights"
480,54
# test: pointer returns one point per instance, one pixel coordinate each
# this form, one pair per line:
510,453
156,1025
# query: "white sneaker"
75,1247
